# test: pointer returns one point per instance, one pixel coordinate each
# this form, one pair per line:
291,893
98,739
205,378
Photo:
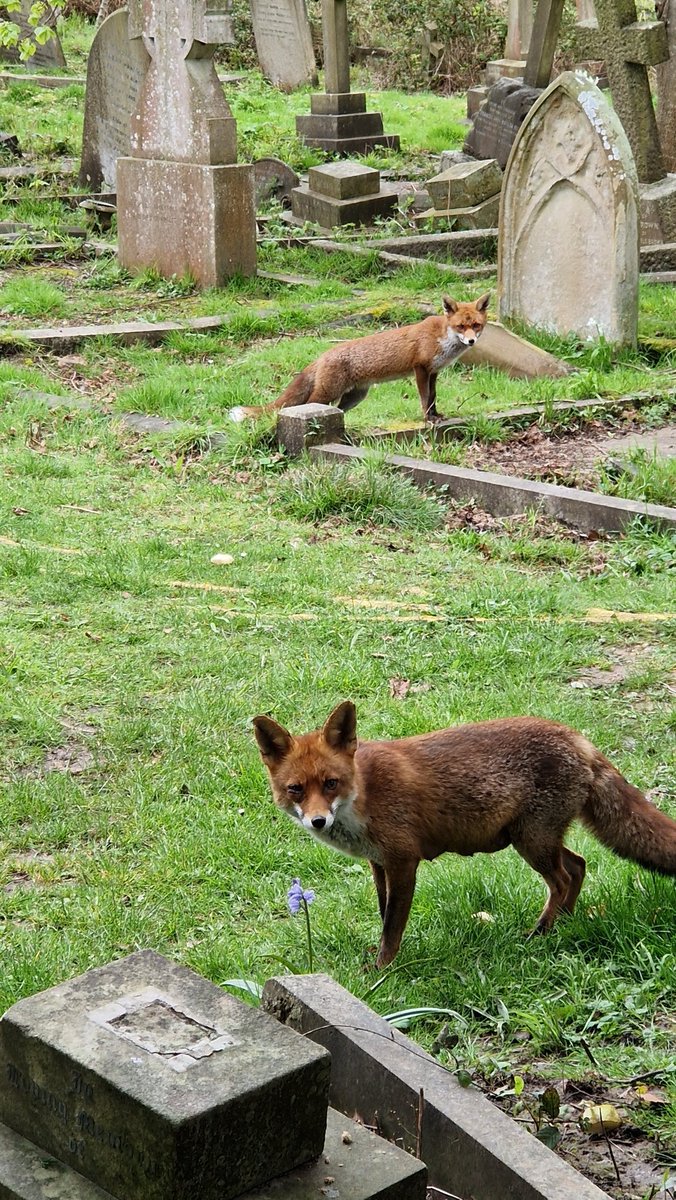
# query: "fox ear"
274,741
482,302
340,729
450,306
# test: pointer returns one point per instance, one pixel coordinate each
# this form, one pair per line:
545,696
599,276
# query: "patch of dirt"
571,459
622,660
72,759
623,1163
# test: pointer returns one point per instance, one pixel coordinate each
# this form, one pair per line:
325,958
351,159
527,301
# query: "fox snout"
315,821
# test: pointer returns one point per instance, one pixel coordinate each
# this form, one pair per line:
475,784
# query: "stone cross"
336,46
182,113
543,41
519,28
628,47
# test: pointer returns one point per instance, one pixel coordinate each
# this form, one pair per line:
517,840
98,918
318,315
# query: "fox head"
313,774
467,319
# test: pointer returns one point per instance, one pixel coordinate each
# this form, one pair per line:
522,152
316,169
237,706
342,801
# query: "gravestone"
628,46
141,1080
568,241
184,204
499,119
519,29
284,42
666,92
116,69
49,54
338,121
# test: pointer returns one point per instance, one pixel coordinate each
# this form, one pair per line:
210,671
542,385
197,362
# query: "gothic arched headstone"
568,250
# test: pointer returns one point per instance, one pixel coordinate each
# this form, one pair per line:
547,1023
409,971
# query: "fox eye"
476,327
295,789
330,784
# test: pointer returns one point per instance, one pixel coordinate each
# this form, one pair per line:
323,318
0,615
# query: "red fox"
344,374
470,789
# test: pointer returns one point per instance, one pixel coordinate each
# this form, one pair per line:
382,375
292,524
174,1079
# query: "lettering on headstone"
115,71
284,42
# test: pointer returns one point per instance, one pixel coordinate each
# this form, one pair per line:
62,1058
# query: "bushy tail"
298,392
621,817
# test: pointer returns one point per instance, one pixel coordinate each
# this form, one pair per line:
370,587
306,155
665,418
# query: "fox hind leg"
561,871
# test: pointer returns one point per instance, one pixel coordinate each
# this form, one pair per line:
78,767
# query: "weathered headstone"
284,42
49,54
568,245
116,69
499,119
141,1080
338,121
274,179
184,204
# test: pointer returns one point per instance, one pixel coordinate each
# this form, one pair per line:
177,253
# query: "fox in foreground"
470,789
344,374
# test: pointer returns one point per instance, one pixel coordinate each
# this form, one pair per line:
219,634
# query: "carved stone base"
186,218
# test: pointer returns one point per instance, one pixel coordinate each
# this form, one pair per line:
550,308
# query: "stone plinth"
152,1083
568,247
342,194
303,425
347,128
186,218
504,68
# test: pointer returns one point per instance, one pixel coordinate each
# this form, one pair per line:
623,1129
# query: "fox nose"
318,822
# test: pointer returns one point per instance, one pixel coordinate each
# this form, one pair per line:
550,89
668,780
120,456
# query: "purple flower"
296,896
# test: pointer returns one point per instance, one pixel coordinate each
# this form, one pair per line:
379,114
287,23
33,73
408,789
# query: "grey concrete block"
364,1168
344,180
322,103
469,1146
154,1083
303,425
310,206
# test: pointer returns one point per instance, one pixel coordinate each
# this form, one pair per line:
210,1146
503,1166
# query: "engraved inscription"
90,1127
37,1093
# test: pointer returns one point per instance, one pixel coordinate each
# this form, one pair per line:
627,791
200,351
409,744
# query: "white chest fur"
348,834
450,346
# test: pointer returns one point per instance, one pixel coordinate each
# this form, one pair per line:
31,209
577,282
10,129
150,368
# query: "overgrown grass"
366,492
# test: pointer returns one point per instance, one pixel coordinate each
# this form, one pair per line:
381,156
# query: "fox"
343,375
469,789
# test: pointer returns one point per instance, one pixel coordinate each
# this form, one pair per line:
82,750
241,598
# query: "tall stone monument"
519,30
284,42
628,47
338,121
116,68
568,248
184,204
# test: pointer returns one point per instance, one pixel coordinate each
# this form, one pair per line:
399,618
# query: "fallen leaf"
20,512
221,560
600,1118
399,688
651,1095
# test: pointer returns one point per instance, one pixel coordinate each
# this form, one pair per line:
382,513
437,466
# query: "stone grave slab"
465,184
364,1168
50,54
284,42
568,253
116,69
474,216
499,119
152,1082
273,178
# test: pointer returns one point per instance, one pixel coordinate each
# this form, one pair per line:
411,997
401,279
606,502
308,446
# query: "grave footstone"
568,244
49,54
185,206
338,120
116,69
284,42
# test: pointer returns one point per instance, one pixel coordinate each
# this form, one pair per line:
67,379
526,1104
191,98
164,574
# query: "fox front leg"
400,881
427,390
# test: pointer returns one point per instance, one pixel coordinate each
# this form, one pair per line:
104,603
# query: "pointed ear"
340,729
482,302
274,741
450,306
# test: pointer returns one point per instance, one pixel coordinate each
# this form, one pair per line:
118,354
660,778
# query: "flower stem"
310,959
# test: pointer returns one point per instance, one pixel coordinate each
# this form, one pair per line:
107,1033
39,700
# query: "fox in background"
472,789
344,374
